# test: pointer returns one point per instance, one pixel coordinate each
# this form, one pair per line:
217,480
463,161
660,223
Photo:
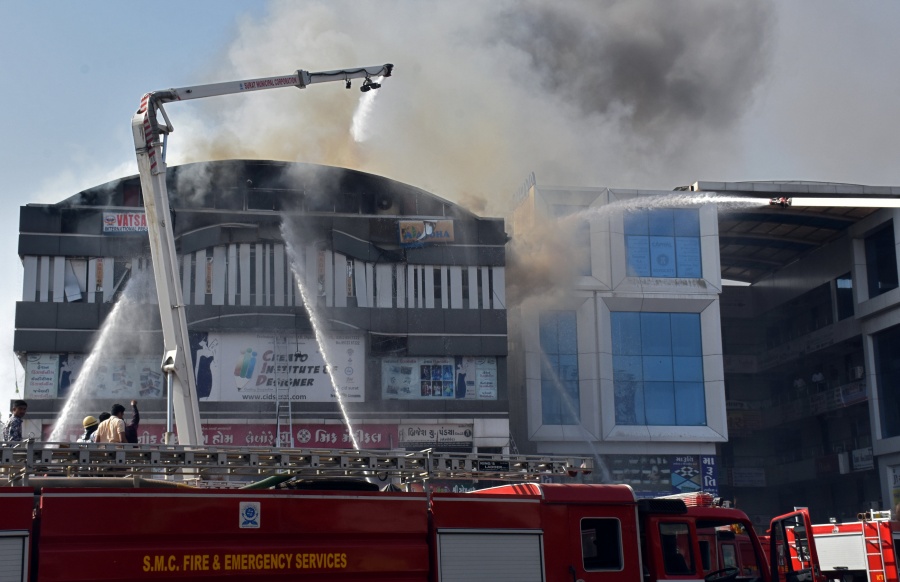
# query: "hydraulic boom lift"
151,150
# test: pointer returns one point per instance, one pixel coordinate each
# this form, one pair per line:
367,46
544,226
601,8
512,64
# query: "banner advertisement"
306,436
687,253
336,436
116,377
263,366
656,475
662,256
125,377
41,376
637,256
419,232
427,435
69,369
709,476
460,378
124,222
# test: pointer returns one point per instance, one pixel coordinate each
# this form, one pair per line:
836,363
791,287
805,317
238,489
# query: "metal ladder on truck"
26,461
874,544
284,427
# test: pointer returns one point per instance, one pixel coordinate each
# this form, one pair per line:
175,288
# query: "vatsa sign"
420,232
124,222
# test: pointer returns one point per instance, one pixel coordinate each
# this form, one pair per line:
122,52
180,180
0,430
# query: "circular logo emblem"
303,435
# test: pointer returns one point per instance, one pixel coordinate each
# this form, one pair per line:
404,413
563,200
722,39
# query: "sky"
619,93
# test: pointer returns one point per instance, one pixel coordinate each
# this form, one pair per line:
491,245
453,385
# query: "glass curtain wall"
658,369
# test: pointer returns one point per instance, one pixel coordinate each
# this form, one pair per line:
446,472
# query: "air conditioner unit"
857,373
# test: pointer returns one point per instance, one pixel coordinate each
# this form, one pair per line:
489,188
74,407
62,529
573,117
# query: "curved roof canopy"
257,185
754,242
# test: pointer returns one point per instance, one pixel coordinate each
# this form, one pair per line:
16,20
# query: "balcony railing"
746,417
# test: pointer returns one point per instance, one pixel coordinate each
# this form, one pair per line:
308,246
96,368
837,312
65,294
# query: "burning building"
407,290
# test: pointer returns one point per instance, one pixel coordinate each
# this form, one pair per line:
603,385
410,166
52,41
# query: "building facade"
407,325
809,377
775,389
693,339
625,363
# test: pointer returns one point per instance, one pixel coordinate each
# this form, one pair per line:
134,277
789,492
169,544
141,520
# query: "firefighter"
90,425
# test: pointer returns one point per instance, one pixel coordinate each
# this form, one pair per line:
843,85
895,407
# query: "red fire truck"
857,551
81,526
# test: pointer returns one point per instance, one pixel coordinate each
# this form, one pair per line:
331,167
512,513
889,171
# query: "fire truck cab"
584,533
791,550
713,543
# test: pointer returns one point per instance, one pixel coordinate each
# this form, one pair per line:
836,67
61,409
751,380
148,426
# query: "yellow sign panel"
244,561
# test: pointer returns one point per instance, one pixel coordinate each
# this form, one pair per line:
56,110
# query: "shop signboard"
124,222
420,232
445,378
863,459
430,435
247,367
306,435
41,376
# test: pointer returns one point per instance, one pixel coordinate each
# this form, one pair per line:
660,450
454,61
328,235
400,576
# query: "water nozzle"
782,201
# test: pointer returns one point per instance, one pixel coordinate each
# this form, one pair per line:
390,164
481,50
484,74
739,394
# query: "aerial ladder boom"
150,136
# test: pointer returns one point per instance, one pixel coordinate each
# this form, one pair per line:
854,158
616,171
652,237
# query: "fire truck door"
604,544
792,551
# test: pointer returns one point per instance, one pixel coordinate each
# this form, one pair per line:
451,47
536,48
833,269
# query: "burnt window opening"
843,291
438,285
881,261
261,200
131,195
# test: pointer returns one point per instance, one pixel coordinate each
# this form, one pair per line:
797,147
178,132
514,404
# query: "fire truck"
113,512
856,551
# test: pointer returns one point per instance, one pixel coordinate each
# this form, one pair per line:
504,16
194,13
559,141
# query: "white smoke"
638,93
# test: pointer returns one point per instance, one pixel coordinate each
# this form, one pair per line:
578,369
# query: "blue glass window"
658,369
560,401
663,243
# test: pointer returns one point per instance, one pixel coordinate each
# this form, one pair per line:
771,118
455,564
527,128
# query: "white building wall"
244,273
608,289
258,274
29,278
